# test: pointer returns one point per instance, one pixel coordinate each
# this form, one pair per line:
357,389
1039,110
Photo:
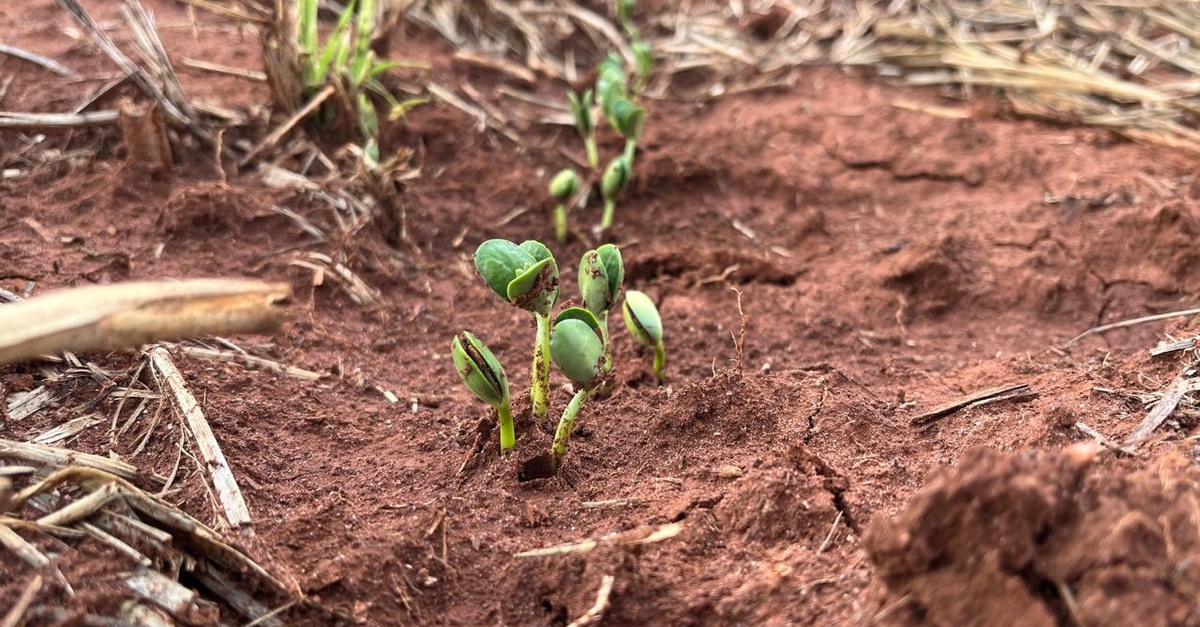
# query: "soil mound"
1044,539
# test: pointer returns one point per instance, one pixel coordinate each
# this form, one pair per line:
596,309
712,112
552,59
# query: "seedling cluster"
526,276
346,64
618,100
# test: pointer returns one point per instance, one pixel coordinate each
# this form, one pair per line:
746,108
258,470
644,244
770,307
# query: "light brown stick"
131,314
16,616
222,477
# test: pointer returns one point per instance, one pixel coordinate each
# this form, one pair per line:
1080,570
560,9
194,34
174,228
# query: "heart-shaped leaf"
498,261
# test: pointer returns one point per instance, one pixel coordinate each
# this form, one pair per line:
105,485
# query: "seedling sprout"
581,110
644,323
482,373
616,176
562,187
525,276
628,119
578,349
601,273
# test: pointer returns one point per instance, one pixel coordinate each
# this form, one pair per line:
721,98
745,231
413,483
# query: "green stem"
508,438
604,338
610,206
566,424
593,153
630,150
539,378
660,360
560,223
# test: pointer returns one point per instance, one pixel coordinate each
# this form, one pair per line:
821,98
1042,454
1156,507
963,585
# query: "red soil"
898,260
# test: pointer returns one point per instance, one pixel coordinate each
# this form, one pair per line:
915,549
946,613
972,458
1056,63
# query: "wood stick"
1181,386
56,457
283,129
16,615
217,68
1131,322
16,119
118,545
131,314
81,508
1003,392
182,603
39,60
218,468
139,75
30,555
628,538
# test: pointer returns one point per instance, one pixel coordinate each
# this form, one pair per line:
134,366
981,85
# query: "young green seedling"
611,81
601,273
482,373
644,323
562,187
616,176
577,347
581,110
525,276
628,119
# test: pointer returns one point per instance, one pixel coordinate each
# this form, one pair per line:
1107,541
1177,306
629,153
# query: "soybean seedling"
611,82
616,176
581,110
601,273
644,323
628,119
562,186
525,276
482,373
577,348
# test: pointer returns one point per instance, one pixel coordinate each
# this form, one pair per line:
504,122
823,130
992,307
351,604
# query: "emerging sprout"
611,82
482,373
616,176
644,323
628,119
562,186
526,276
577,348
581,109
601,273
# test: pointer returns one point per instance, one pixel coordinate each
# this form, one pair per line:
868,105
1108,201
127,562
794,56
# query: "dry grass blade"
39,60
250,361
630,538
126,64
1182,385
60,457
226,486
1125,66
129,315
13,119
16,615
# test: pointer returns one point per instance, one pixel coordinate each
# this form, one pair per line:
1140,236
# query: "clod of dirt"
1044,539
933,276
791,499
